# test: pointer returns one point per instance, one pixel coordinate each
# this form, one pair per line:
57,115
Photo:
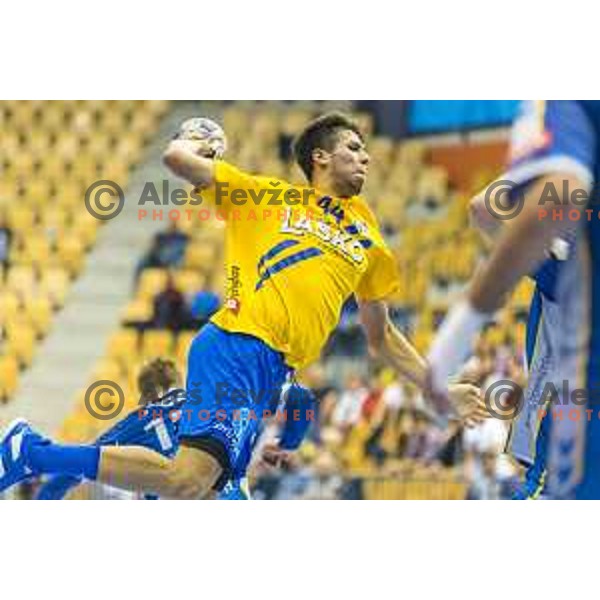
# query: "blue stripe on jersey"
533,325
593,239
546,277
288,262
274,251
536,472
591,482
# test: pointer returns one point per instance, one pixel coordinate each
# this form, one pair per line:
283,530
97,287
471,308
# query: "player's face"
349,163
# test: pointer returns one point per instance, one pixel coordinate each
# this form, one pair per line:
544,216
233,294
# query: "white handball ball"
204,130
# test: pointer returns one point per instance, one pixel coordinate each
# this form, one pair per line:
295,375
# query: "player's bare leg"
190,475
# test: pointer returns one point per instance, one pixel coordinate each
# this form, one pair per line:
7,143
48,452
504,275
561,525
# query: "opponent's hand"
467,403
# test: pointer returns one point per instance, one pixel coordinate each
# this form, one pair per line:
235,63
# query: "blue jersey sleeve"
551,136
300,405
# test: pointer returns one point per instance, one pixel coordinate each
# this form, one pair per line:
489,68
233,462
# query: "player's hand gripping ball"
208,136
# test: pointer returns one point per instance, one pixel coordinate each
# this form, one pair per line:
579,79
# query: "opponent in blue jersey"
554,157
155,425
528,437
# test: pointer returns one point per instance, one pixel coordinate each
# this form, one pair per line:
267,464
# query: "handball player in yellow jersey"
294,255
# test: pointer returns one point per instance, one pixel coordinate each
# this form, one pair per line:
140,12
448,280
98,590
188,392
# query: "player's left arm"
380,282
386,341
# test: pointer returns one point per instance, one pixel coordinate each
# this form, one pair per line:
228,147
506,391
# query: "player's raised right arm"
184,159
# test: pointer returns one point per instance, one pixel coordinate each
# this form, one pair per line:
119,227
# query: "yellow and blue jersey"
293,257
561,137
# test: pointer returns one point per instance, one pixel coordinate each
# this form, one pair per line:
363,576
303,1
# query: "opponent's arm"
522,245
483,221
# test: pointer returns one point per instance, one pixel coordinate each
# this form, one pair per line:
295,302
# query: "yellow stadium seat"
123,343
85,228
39,312
116,170
112,120
70,253
138,311
22,115
54,218
200,255
183,345
21,342
156,344
36,249
107,369
188,281
55,285
9,306
412,153
152,281
522,295
22,279
9,376
21,217
53,116
382,149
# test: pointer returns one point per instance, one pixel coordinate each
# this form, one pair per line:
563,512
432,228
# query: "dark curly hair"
320,133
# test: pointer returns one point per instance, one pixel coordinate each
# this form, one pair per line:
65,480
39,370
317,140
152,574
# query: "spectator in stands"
167,249
284,146
6,237
349,408
326,398
425,440
347,340
203,306
170,308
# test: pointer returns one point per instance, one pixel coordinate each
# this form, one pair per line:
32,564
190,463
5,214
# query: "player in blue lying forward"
156,427
151,426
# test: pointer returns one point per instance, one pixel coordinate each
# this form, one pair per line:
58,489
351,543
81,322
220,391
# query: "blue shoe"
13,463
